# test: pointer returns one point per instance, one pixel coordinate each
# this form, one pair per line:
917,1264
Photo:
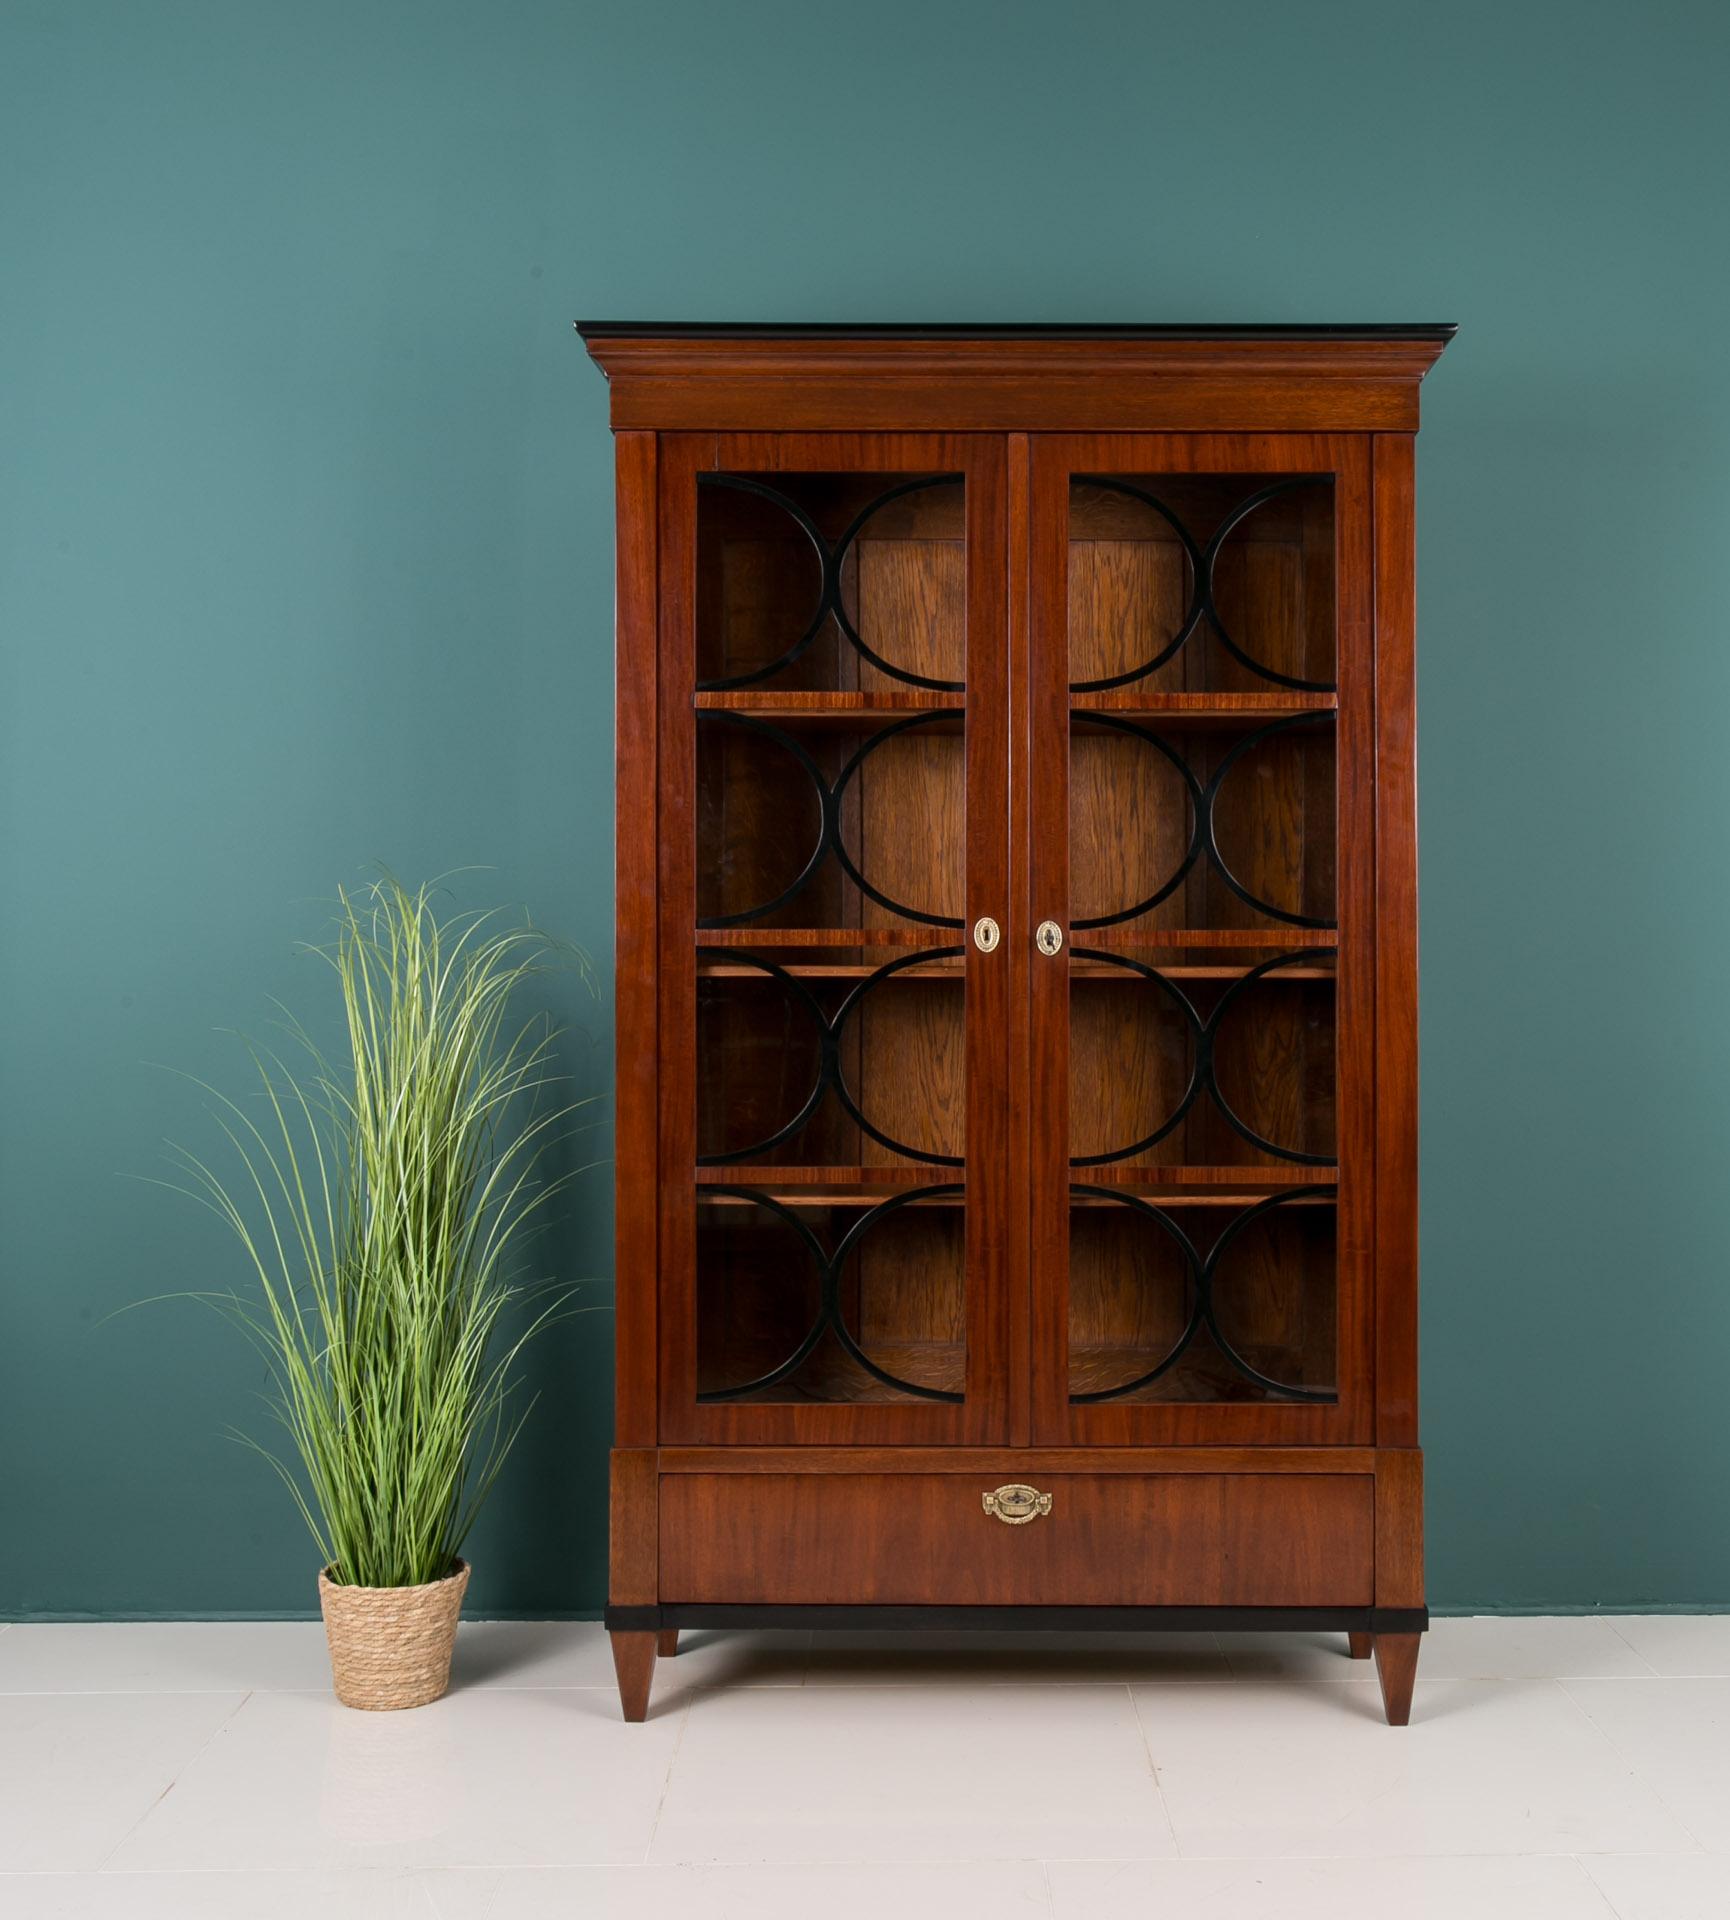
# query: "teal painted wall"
304,564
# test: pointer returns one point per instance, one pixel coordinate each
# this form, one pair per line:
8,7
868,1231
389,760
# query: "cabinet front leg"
634,1663
1396,1669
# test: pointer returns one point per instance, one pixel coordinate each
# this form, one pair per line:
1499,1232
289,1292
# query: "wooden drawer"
925,1539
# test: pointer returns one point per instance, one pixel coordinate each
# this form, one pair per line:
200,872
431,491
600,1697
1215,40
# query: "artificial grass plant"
382,1209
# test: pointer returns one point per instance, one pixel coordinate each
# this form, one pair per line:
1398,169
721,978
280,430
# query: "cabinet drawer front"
1115,1539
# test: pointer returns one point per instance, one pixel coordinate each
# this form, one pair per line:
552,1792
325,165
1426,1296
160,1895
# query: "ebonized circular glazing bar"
831,559
1203,607
830,1077
1203,1076
829,1317
1199,1272
1203,832
829,799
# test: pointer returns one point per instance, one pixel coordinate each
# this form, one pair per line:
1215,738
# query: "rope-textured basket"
391,1647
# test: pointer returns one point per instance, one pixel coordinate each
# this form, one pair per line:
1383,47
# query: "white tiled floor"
1569,1769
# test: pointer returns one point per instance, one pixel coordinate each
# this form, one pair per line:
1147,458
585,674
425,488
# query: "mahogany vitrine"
1017,997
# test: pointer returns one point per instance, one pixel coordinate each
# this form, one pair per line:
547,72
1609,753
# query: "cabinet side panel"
1396,948
1400,1528
635,1014
633,1540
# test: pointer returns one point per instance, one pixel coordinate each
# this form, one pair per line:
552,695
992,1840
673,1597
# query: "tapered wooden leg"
1396,1669
667,1643
634,1663
1359,1645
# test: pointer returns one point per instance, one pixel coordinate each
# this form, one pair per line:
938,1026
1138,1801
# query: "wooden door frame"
1053,459
995,1384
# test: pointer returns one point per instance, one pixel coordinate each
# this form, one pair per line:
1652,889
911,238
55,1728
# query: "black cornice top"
996,330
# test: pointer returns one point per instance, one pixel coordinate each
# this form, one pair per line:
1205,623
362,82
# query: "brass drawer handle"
1015,1505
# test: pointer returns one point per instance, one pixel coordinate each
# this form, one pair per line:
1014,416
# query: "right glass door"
1201,880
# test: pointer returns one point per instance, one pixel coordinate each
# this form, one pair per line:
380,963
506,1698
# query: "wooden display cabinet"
1016,1129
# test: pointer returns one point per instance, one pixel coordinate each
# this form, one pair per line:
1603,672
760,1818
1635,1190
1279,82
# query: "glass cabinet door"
839,714
1200,667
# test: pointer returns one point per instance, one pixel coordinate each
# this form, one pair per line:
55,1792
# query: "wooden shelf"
1175,1186
1201,1378
1180,939
833,938
936,970
953,972
1171,1186
827,1186
835,709
1238,710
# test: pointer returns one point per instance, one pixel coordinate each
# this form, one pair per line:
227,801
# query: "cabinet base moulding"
1355,1621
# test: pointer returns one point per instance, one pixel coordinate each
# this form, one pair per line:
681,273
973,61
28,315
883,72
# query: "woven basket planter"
391,1647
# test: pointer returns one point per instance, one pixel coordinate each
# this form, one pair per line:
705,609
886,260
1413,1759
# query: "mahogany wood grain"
907,1043
632,1580
1397,1670
1359,1645
1018,942
1114,828
636,1019
634,1664
667,1643
783,385
1018,799
1399,1527
682,458
1003,1463
1109,1540
1396,998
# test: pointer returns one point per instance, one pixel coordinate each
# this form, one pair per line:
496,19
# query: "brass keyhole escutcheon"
986,934
1015,1504
1049,938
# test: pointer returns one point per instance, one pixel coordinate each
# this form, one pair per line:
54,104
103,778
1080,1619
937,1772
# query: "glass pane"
1191,821
836,581
1202,969
830,1020
1216,583
1227,1299
837,1301
796,1066
1201,1060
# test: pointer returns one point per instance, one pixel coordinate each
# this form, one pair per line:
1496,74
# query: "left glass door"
834,938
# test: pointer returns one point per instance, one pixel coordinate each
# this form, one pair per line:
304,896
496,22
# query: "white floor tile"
1258,1769
1676,1736
486,1777
555,1653
1026,1659
1552,1887
167,1656
1294,1656
1512,1647
1002,1890
905,1774
1663,1886
78,1772
290,1655
248,1896
1679,1644
1474,1647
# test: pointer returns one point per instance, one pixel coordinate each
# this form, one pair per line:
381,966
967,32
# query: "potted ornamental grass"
383,1204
